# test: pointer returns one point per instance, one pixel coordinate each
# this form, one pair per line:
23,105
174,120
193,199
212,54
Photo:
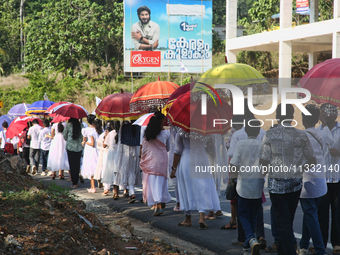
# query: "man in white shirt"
314,182
33,134
249,184
145,33
331,165
45,144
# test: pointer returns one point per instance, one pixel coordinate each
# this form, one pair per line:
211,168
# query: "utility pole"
22,54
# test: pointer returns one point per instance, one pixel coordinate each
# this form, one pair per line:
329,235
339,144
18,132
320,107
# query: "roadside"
45,218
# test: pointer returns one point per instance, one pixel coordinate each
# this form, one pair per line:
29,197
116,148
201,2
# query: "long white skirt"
110,167
101,164
90,159
157,189
196,193
128,171
57,157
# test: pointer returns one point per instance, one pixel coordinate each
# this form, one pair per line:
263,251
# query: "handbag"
231,190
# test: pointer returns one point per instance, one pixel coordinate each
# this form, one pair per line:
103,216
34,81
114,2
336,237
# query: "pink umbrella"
71,110
59,118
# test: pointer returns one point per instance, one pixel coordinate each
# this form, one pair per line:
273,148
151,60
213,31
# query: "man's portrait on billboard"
145,33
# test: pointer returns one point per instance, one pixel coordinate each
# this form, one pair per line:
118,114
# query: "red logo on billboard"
145,58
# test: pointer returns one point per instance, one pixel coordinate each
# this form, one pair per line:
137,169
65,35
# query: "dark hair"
238,119
289,112
35,121
116,127
311,120
254,128
76,129
46,123
60,127
91,118
98,126
29,124
109,126
154,127
5,124
143,8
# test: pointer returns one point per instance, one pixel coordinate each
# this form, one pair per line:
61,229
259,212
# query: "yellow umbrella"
235,74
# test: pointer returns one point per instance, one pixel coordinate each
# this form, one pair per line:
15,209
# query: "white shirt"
314,181
45,141
241,135
331,163
15,141
250,178
34,133
3,139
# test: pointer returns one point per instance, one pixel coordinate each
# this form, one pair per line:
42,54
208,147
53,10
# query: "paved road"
212,239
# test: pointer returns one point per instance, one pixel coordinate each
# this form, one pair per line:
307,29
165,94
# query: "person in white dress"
154,163
91,154
196,187
110,170
57,158
102,157
128,172
3,138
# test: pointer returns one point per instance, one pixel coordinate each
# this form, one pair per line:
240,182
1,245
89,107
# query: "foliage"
69,31
9,35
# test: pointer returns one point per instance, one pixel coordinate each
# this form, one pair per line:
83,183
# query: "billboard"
302,6
167,36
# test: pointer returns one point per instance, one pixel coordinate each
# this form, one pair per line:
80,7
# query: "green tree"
68,31
9,35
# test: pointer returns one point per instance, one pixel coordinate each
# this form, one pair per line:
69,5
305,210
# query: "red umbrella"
116,107
18,125
180,91
59,118
49,109
186,114
70,110
323,82
153,94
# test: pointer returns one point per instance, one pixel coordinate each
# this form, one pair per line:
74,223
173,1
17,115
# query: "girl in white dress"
128,172
110,170
196,189
87,152
57,157
91,155
102,157
154,163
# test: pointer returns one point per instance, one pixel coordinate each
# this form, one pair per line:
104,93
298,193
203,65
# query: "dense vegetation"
73,49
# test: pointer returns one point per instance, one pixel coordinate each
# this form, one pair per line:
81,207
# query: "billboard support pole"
131,83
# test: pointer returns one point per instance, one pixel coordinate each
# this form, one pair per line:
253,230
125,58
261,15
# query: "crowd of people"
124,156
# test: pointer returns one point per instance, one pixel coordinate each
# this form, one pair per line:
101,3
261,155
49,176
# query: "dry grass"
14,80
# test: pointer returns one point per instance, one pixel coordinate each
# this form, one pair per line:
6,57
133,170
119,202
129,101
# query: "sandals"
62,177
91,190
115,197
74,186
218,213
271,248
232,226
158,212
207,217
311,250
336,249
106,192
181,224
132,199
203,226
